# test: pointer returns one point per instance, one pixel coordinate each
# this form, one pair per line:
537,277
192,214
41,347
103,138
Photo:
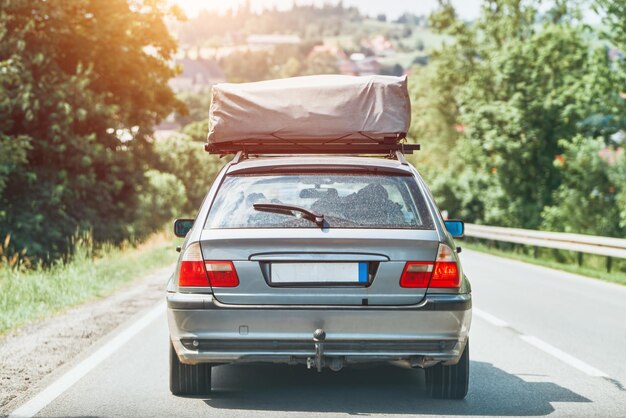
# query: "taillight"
192,272
446,271
222,273
416,274
196,272
443,273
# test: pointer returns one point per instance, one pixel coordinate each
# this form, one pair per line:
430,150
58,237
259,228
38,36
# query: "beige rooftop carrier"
313,114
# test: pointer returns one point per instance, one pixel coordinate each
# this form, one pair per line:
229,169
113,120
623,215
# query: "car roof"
258,164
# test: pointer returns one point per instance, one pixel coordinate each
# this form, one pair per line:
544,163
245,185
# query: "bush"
586,201
617,177
187,161
162,200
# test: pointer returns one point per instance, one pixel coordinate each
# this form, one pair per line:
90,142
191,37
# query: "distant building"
197,75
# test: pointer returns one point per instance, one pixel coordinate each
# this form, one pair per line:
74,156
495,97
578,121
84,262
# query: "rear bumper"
204,331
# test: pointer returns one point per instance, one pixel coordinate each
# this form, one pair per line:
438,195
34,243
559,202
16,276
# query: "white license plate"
316,273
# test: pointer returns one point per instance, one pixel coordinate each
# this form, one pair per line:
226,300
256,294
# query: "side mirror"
455,227
182,226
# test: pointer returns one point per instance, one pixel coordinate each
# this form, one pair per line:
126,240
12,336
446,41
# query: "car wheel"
188,379
449,382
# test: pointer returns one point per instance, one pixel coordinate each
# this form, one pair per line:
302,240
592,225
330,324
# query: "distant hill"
306,39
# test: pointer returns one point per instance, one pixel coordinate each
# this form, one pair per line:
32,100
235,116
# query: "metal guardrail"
582,244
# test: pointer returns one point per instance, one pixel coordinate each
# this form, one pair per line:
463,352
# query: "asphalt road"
542,342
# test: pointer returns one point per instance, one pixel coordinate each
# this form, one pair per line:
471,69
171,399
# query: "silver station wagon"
320,261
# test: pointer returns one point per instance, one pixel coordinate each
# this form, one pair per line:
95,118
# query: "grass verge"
30,295
592,265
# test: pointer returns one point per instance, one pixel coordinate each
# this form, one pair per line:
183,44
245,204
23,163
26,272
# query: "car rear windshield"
347,200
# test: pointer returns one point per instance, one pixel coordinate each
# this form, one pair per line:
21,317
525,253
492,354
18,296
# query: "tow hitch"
319,336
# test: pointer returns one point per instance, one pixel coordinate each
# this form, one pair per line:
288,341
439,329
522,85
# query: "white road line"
489,318
49,394
543,346
564,357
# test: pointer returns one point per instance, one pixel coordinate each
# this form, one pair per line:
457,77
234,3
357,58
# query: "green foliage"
197,131
321,63
502,101
11,260
515,110
585,202
161,201
90,273
617,177
196,107
245,66
82,84
291,68
614,14
284,61
183,156
433,120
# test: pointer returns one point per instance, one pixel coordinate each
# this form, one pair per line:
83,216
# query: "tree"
614,19
87,81
591,198
617,176
513,89
246,66
197,131
320,63
585,202
162,200
178,153
197,106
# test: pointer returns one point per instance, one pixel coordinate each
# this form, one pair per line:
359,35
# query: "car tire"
188,379
449,382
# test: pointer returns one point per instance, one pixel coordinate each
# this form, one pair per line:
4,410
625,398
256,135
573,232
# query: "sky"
467,9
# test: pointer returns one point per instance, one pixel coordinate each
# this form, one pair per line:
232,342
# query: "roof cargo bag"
323,113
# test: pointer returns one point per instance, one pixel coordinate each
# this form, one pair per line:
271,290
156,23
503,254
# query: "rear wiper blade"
282,208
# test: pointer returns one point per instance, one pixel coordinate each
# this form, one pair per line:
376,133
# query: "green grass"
592,266
30,295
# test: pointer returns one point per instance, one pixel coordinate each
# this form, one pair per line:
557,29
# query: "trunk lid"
313,266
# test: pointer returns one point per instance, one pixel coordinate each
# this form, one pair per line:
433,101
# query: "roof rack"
242,155
329,148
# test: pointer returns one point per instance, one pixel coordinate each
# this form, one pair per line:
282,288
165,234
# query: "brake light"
443,273
196,272
416,274
222,273
446,272
192,272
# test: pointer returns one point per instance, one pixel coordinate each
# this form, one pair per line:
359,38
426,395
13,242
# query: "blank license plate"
319,273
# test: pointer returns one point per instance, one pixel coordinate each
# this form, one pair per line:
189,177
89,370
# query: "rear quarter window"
347,200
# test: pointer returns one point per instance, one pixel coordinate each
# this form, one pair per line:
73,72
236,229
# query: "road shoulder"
33,355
